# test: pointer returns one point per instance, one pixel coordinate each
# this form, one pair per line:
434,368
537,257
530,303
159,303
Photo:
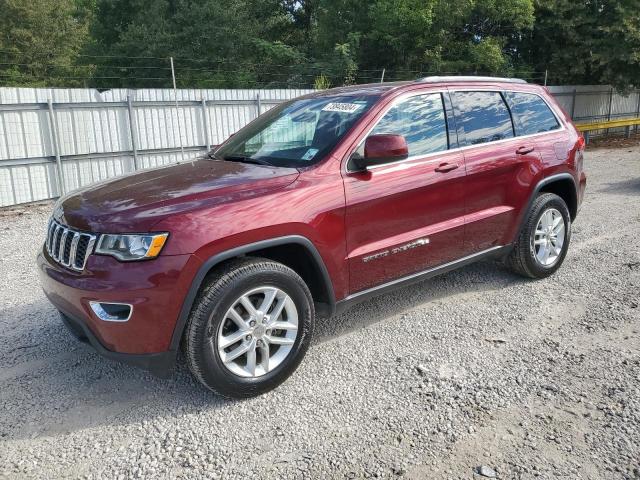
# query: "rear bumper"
159,364
581,189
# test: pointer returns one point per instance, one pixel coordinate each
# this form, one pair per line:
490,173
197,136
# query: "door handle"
524,150
446,167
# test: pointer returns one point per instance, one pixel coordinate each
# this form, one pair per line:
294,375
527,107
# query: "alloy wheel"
549,237
258,332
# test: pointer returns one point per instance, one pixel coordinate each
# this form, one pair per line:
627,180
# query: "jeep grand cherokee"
321,202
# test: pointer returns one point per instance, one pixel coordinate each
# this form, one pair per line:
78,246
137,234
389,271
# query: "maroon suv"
321,202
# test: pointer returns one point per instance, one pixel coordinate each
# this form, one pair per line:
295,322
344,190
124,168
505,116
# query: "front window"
298,133
420,120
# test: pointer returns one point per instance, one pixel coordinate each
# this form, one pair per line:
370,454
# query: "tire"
525,258
219,316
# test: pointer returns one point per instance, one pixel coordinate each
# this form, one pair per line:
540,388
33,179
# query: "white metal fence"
55,140
596,102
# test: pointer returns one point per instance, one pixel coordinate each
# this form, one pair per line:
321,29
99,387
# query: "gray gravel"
475,371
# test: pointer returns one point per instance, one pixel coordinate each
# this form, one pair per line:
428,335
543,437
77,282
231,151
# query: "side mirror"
383,148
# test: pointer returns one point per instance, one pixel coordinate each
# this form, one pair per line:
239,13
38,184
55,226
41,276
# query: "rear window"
530,113
483,116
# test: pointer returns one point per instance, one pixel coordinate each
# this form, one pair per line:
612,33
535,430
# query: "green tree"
586,42
281,43
473,36
40,41
411,36
216,43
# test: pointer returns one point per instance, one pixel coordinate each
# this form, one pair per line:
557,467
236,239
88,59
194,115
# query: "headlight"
131,247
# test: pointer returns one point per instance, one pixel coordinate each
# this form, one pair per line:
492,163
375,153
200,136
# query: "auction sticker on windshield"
341,107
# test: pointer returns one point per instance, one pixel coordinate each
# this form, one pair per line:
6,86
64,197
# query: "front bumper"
156,289
160,364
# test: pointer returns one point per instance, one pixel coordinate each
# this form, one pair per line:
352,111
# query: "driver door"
406,216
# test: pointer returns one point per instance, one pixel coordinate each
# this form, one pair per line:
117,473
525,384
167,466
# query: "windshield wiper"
245,159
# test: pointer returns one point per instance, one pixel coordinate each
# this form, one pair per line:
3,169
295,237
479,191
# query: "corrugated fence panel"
597,103
94,134
96,141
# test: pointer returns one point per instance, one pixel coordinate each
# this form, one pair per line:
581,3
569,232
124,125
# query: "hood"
136,202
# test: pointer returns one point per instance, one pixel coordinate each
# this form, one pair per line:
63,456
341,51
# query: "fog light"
112,312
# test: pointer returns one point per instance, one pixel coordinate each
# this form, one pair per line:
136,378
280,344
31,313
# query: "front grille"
68,247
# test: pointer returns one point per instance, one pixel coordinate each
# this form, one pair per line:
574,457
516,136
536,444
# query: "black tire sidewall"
548,201
215,374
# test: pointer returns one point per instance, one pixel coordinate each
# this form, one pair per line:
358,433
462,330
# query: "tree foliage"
280,43
40,41
593,42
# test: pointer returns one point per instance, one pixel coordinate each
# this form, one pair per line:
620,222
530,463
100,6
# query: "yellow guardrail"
626,122
590,126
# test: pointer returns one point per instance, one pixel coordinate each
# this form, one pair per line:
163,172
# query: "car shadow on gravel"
42,364
51,383
476,278
625,187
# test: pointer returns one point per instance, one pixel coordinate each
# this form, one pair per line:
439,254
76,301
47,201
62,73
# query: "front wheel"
544,240
249,329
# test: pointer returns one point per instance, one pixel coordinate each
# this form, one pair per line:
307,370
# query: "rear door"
499,168
533,117
407,216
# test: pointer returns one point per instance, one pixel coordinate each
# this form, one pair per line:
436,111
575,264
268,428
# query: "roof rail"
469,78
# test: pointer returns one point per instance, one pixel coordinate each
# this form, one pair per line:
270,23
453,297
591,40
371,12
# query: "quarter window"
421,120
483,115
530,113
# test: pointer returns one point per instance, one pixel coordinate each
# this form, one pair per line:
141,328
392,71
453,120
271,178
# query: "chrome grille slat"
62,239
50,234
57,234
74,248
92,241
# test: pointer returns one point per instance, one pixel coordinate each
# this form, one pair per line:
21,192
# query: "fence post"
55,142
610,108
205,124
175,94
13,186
258,104
573,103
132,130
637,109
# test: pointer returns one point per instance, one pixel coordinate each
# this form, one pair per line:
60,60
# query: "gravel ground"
474,368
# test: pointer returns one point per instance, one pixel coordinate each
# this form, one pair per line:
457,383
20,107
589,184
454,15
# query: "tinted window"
420,120
530,113
483,115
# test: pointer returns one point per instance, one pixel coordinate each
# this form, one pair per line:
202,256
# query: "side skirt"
494,252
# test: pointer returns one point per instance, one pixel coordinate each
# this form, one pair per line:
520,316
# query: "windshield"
298,133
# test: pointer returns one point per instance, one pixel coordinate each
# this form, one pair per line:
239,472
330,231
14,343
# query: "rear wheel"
249,328
544,240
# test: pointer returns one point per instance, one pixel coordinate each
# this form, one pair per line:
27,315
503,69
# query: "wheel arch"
560,182
565,187
304,259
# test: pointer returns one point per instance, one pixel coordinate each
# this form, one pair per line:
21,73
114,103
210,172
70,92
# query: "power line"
244,74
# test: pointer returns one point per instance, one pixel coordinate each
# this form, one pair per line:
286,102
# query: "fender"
536,190
238,251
